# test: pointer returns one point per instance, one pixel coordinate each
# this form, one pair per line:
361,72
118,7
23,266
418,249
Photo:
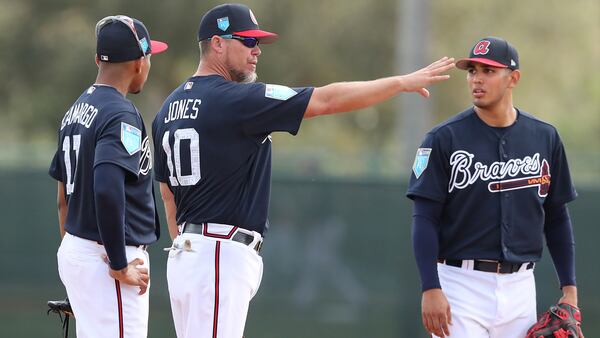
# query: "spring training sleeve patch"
279,92
131,138
421,161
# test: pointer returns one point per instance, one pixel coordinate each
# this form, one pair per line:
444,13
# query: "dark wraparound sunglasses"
248,42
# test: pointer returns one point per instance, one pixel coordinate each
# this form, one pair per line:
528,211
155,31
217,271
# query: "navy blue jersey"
213,147
494,183
102,126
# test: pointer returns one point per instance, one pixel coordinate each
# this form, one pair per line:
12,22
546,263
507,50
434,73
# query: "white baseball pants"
487,304
103,307
211,283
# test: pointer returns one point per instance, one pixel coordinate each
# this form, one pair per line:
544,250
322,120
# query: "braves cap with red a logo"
492,51
232,19
120,38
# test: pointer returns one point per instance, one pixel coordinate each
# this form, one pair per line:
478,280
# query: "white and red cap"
234,19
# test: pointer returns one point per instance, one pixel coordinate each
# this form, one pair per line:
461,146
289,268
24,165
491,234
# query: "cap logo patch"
513,63
481,48
131,138
223,23
252,17
104,57
421,161
144,44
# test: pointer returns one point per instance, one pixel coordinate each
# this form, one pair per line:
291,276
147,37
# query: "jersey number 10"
175,176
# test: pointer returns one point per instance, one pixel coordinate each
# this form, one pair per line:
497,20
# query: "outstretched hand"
133,274
417,81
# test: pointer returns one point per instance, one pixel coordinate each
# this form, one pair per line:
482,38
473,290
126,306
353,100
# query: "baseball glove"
62,308
560,321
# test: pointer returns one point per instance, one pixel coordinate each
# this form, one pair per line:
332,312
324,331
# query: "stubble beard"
242,77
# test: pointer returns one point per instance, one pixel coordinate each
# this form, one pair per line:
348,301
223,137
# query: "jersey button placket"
502,149
504,196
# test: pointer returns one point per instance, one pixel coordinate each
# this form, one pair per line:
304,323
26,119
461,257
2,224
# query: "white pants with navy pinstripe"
103,307
211,283
489,305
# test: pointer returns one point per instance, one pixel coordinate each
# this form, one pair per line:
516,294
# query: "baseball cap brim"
263,36
464,63
158,47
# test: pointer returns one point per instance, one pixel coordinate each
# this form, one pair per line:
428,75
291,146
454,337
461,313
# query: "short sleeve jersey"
494,183
102,126
213,147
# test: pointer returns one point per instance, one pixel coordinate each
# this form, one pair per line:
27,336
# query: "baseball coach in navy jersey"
213,161
106,204
489,185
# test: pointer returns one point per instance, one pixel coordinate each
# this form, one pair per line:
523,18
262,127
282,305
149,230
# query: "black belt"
139,246
238,236
489,266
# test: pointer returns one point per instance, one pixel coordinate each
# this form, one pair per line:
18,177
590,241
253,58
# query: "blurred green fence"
338,262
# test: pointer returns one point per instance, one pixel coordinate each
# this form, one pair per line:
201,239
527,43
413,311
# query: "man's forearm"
62,207
348,96
425,239
109,196
170,209
561,243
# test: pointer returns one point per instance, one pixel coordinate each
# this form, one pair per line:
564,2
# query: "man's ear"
515,76
137,64
217,43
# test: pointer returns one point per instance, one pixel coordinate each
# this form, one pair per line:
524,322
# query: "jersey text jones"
180,109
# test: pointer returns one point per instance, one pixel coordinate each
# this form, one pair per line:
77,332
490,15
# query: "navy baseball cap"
235,19
120,38
494,52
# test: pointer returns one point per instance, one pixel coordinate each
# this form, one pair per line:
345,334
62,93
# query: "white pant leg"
211,286
102,307
516,305
472,300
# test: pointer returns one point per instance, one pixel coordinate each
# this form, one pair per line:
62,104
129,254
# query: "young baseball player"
106,204
489,185
213,161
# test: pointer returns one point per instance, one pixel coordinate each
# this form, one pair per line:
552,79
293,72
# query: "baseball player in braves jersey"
106,203
213,160
488,186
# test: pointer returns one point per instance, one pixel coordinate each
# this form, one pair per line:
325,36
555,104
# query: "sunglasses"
127,21
248,42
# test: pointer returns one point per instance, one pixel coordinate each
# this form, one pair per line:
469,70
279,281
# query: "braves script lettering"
465,173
